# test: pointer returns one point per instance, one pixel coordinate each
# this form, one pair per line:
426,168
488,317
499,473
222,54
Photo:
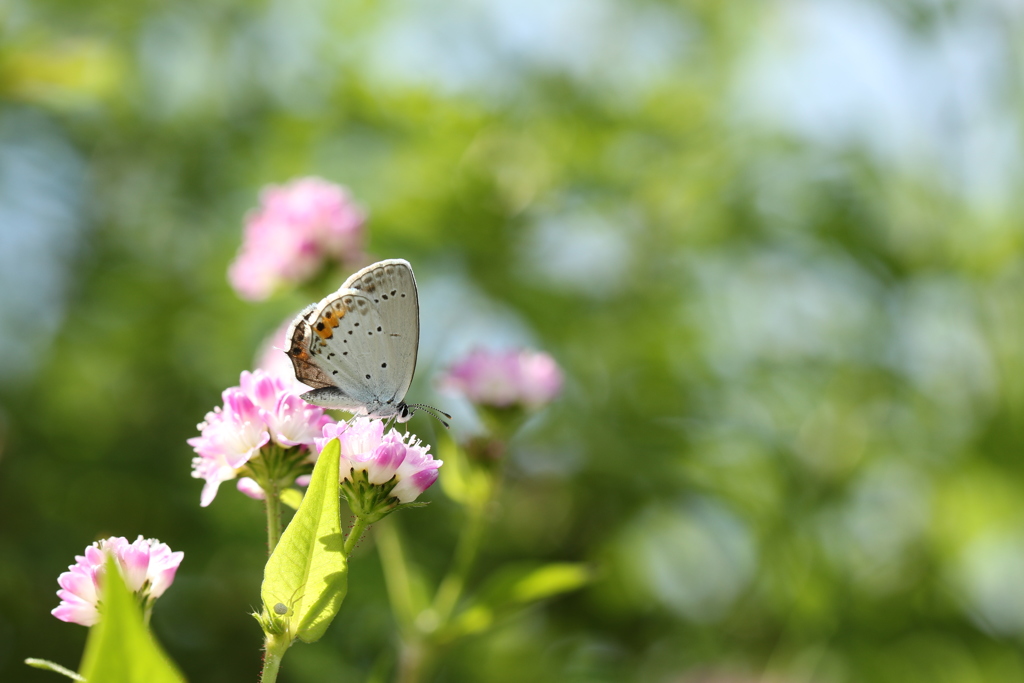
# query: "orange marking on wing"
333,315
323,331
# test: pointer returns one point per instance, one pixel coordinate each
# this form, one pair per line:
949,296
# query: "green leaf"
515,587
547,581
292,498
54,667
460,480
121,649
455,479
308,572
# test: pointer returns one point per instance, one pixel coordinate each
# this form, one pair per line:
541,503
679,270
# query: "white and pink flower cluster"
263,410
147,566
505,378
366,448
296,228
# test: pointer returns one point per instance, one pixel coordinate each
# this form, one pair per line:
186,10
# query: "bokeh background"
776,247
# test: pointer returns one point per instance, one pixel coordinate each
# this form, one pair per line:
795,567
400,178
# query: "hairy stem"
358,527
274,651
273,505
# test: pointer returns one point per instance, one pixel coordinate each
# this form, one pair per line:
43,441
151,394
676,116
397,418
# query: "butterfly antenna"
432,412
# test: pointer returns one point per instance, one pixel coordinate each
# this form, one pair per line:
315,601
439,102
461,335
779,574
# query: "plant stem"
358,527
411,662
450,591
417,651
54,667
396,576
274,651
273,504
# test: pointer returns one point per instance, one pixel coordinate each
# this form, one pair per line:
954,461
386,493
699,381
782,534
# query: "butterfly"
357,347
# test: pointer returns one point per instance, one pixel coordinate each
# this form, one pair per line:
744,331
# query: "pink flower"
250,488
383,457
229,438
264,410
294,422
416,472
291,421
147,566
505,378
296,228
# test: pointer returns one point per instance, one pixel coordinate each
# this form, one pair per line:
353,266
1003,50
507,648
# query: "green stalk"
454,582
275,648
358,527
412,662
273,505
396,576
418,649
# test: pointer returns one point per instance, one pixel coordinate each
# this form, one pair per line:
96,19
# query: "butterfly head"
405,412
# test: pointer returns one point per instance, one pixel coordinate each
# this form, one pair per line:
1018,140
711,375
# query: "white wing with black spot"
357,347
392,287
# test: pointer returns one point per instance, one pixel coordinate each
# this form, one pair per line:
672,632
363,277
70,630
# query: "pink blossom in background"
297,227
366,448
264,409
147,566
505,378
273,360
250,488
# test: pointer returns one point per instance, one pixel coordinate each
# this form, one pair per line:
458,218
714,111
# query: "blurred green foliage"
775,246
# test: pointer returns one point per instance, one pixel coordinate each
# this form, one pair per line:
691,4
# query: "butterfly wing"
357,347
300,336
392,287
